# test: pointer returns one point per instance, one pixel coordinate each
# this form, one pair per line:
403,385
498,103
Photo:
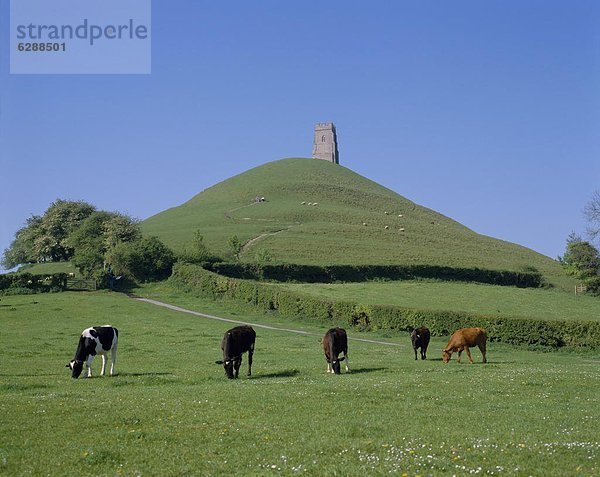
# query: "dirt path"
251,242
255,325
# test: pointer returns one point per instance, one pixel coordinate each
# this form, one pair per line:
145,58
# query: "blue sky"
486,111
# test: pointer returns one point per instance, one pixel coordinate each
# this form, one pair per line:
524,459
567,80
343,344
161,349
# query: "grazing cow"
95,340
237,341
420,339
335,342
462,340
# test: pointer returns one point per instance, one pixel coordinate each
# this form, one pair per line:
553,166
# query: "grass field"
170,410
49,268
332,232
470,297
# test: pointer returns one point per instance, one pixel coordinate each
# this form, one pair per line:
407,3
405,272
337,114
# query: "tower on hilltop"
325,145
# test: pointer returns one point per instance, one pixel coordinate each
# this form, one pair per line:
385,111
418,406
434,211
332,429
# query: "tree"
581,258
22,248
262,256
235,246
197,251
88,241
144,259
120,228
592,213
58,222
45,238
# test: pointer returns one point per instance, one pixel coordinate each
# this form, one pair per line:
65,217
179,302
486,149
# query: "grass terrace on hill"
346,226
469,297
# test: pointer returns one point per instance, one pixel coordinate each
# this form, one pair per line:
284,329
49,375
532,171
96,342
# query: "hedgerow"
287,272
26,283
265,296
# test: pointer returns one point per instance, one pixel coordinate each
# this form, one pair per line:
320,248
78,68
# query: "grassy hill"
347,226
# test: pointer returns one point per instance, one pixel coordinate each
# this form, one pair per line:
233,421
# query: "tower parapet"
325,145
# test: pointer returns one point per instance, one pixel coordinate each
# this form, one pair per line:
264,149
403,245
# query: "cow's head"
446,355
75,366
228,366
335,365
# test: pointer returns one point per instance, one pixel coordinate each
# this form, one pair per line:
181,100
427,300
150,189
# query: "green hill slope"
355,221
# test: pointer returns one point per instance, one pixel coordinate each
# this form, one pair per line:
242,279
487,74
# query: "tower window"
323,139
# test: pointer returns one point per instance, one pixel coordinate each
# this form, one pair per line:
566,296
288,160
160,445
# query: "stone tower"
325,146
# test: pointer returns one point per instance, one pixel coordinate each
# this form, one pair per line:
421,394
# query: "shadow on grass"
288,373
128,375
33,375
364,370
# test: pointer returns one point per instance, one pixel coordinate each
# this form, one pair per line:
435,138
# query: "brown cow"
462,340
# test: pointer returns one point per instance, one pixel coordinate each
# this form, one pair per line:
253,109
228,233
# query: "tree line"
581,258
97,242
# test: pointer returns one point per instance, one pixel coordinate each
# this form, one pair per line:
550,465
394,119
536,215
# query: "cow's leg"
103,364
347,362
469,354
113,359
482,349
329,370
459,353
415,349
250,353
236,367
89,365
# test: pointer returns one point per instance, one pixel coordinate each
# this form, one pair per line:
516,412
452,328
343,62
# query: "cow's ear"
67,365
218,362
342,359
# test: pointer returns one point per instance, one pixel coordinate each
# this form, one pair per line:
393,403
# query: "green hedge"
24,283
265,296
359,273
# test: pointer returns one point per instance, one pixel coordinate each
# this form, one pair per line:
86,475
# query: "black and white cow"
420,339
95,340
235,342
335,341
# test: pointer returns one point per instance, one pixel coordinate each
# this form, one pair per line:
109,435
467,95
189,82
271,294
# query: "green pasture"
544,304
347,226
50,268
171,411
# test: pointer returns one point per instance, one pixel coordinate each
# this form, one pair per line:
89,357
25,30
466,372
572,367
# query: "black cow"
335,342
95,340
420,339
237,341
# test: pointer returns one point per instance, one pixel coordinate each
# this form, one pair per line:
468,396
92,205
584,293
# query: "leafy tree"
197,252
88,241
45,238
145,259
592,213
263,256
235,246
21,249
120,228
58,222
581,258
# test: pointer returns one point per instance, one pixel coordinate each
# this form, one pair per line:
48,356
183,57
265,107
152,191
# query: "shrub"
146,259
593,286
26,283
